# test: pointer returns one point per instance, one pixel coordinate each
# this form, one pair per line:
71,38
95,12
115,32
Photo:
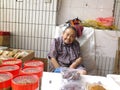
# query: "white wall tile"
37,13
46,17
40,17
105,12
76,12
14,15
7,26
18,5
63,15
30,17
48,44
5,16
89,13
53,31
46,31
1,4
30,27
1,26
13,41
65,3
6,4
37,30
39,43
10,29
85,9
42,44
35,43
23,29
2,15
77,3
49,31
53,5
105,4
90,3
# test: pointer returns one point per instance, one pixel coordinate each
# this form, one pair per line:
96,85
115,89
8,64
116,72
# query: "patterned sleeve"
53,50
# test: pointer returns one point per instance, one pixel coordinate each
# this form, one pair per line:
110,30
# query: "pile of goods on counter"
16,53
71,80
16,75
13,53
101,23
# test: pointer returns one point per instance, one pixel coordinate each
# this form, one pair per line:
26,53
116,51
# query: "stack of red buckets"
21,76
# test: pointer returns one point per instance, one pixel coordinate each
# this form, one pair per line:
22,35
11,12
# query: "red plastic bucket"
13,69
12,62
5,80
34,63
25,82
33,71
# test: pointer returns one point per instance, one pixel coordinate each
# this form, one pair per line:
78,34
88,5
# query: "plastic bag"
72,86
70,74
77,24
71,79
108,21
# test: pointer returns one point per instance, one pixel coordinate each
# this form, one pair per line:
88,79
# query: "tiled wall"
31,23
84,9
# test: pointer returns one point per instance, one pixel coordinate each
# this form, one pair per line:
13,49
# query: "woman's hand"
76,63
55,63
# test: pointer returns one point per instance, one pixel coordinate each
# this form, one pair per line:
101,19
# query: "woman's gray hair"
71,27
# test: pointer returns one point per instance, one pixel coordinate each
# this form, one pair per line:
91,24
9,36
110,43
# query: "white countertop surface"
53,81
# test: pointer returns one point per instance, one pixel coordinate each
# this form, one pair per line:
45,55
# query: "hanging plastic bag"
77,24
108,21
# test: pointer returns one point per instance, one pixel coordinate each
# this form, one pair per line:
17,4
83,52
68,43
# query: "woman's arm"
76,63
55,63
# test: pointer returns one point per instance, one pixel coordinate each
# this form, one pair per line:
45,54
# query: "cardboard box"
44,60
4,38
5,41
30,56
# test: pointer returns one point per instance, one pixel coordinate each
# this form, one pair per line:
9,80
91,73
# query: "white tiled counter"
53,81
115,78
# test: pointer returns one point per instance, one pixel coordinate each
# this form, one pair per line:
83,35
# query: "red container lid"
13,69
5,80
34,63
25,82
12,62
4,33
32,70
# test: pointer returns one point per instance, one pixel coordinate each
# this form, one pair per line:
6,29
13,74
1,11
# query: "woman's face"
69,36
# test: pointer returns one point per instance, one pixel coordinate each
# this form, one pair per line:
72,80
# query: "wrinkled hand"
58,70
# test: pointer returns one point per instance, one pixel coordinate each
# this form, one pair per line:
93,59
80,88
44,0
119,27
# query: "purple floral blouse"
63,53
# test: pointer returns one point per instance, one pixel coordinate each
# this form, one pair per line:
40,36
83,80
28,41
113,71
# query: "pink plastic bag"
108,21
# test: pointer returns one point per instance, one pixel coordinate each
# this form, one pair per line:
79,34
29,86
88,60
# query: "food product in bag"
70,74
95,86
75,85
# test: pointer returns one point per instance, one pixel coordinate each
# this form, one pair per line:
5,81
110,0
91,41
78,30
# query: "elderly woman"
65,52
